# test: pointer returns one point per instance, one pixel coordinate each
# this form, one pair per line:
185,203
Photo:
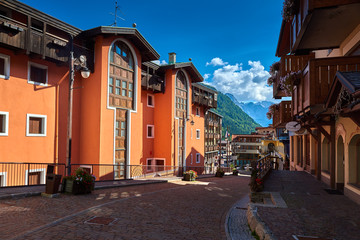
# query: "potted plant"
256,184
219,173
79,183
290,8
190,175
287,82
235,172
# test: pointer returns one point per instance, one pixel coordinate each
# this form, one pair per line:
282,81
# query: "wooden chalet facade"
129,111
213,122
319,47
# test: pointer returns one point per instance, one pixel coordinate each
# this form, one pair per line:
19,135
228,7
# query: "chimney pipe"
172,58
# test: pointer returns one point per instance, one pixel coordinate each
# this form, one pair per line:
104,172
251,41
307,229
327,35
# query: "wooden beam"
43,49
356,118
323,131
311,132
318,163
28,36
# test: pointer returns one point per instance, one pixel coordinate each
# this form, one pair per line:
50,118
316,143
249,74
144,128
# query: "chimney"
172,58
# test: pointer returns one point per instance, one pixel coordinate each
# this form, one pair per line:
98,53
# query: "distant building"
246,147
213,123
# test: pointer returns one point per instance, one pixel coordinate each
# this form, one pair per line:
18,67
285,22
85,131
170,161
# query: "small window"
191,158
4,66
198,111
36,125
150,131
123,129
197,133
37,74
4,123
150,100
117,128
198,158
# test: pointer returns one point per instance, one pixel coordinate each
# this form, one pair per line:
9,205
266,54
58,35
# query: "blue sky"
231,42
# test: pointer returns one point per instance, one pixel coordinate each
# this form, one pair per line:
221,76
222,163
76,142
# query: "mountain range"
256,110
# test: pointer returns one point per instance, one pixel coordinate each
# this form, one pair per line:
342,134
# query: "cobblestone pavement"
176,210
311,210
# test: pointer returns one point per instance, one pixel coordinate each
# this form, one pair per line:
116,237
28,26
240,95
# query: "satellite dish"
293,126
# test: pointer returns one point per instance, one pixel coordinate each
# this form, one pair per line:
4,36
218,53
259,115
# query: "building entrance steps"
311,210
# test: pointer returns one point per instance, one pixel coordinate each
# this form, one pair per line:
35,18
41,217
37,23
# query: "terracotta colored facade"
323,50
129,111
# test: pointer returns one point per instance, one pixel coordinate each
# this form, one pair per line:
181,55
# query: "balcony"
282,114
204,96
311,92
43,40
321,24
150,80
288,64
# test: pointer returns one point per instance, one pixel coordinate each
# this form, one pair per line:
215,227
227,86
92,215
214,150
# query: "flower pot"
77,187
219,174
188,177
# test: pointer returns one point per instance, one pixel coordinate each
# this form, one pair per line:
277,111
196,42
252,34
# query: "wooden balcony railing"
289,64
316,80
282,114
23,36
204,100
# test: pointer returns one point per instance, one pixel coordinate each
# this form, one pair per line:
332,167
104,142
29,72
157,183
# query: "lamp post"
78,64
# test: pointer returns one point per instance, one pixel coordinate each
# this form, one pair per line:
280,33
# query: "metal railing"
29,174
26,174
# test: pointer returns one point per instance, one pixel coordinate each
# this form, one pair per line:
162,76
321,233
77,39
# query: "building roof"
188,66
248,136
148,53
203,87
36,14
212,111
349,80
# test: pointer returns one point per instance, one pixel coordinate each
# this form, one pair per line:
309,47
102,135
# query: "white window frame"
87,166
3,182
38,66
198,158
152,131
198,135
6,66
44,117
153,100
197,111
6,125
42,175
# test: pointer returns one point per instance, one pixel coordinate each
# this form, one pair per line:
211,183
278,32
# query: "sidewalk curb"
257,225
32,194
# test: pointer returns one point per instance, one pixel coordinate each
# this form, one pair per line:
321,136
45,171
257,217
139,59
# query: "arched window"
121,76
354,160
325,155
181,95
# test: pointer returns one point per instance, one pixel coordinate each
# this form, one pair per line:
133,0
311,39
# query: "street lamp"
76,64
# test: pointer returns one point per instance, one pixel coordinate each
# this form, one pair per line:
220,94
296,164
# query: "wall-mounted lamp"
192,120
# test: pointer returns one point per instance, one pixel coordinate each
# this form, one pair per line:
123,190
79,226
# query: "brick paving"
311,210
174,210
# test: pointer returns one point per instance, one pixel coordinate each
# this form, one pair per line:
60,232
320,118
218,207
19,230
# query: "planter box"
188,177
219,174
75,188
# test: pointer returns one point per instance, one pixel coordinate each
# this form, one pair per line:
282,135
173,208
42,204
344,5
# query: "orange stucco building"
129,111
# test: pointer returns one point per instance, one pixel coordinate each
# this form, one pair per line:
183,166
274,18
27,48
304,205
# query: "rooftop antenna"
117,8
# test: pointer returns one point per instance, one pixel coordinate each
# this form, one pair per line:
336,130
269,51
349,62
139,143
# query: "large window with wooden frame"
37,74
121,76
36,125
181,95
4,123
4,66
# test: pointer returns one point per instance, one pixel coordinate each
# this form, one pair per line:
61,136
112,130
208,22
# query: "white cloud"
245,85
216,62
206,76
163,62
